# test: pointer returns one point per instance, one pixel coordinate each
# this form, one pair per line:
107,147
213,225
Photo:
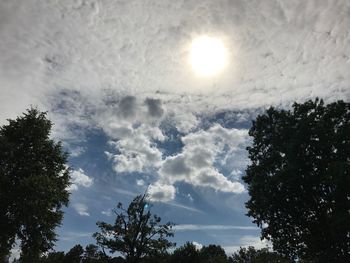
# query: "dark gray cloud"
154,107
127,107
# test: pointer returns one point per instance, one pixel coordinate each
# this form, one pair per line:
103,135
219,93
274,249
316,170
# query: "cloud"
127,107
154,107
107,212
182,206
195,227
246,241
137,151
73,236
79,178
161,192
196,164
197,245
81,209
140,182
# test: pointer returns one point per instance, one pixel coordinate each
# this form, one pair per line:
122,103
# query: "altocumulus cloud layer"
121,68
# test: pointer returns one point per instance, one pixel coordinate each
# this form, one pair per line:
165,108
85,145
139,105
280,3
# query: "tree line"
298,181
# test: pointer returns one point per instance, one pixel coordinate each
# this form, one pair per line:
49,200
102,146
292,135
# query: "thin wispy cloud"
195,227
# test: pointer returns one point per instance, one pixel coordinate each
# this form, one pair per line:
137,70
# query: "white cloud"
196,163
189,196
182,206
15,253
137,150
195,227
277,52
140,182
124,76
81,209
161,192
246,241
73,236
79,178
197,245
107,212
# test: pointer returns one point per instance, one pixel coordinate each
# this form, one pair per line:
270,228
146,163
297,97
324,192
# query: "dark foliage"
135,233
33,182
299,180
213,254
74,255
252,255
187,253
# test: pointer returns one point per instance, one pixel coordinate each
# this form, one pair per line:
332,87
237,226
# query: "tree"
52,257
92,254
213,254
299,180
252,255
74,255
188,253
33,182
135,233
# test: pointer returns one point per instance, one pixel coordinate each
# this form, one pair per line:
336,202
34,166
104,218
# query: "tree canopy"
299,180
136,233
33,182
253,255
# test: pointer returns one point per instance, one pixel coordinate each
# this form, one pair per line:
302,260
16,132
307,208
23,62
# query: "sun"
208,56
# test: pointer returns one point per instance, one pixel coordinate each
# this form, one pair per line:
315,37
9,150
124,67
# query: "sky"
115,78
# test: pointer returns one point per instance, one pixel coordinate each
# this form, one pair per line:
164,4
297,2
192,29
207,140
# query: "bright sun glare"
207,56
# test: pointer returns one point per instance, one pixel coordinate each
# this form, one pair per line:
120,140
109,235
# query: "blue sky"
115,78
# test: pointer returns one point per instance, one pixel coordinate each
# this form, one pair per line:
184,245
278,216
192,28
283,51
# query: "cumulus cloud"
81,209
79,178
196,164
161,192
140,182
137,151
197,245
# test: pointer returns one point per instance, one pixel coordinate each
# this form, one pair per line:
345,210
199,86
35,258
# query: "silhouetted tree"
213,254
92,254
33,182
52,257
299,180
188,253
252,255
74,255
135,233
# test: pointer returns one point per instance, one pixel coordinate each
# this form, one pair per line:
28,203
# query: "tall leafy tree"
299,180
136,233
33,182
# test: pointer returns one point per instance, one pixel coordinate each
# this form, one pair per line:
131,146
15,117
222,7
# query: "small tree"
135,233
299,180
33,182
